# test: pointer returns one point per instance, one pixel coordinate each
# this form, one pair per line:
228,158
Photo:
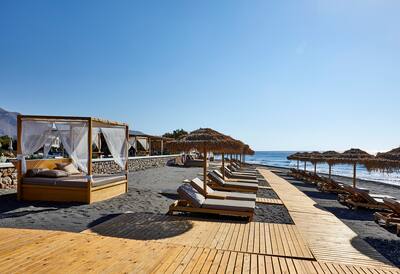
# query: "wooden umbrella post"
354,174
298,164
223,166
330,171
305,166
205,170
315,168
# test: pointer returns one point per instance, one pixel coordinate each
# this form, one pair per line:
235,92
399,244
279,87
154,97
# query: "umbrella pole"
205,170
354,174
305,166
315,168
330,172
223,166
298,163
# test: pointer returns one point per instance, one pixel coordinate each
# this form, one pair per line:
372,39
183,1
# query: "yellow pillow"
71,169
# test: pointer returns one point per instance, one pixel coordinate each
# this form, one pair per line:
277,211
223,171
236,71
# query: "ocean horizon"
279,159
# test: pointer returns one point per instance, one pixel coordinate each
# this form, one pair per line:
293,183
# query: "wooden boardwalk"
38,251
328,237
255,237
269,201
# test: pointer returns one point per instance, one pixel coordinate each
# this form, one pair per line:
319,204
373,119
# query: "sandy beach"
152,191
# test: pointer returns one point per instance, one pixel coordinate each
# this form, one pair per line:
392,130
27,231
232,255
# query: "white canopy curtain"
132,142
74,137
34,135
117,144
144,143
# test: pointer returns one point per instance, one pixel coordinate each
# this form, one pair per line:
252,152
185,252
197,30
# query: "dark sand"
149,191
360,221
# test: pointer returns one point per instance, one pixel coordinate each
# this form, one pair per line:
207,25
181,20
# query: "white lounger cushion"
188,193
219,204
223,183
198,185
194,198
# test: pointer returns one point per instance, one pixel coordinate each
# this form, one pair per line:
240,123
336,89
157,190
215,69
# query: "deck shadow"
140,226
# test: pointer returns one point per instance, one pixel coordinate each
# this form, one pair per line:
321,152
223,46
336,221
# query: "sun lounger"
252,181
243,170
389,218
193,202
215,194
332,186
241,175
361,198
217,183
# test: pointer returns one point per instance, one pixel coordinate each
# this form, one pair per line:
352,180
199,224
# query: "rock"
7,180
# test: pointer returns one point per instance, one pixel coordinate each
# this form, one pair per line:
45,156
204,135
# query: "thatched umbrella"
315,157
247,151
204,139
353,156
385,161
300,156
329,157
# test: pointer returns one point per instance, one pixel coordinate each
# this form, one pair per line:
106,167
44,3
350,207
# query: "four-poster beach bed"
78,135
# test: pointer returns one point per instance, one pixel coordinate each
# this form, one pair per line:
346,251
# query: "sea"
279,159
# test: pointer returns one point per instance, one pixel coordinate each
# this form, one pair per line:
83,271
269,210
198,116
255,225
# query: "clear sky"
280,75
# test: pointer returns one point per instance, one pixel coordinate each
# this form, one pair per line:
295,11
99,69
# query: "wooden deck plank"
328,237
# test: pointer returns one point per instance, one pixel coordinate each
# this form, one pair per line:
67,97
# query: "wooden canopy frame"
88,194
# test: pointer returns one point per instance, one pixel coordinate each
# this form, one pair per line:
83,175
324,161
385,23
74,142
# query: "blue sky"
280,75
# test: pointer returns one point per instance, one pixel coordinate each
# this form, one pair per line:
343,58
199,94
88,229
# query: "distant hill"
8,123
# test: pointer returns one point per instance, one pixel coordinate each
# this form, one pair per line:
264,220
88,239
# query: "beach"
151,191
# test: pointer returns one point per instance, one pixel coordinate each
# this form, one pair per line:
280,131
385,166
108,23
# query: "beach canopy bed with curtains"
45,180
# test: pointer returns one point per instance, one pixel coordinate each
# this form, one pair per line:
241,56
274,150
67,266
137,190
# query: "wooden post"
305,166
149,144
89,163
298,164
315,168
354,174
19,162
330,171
205,170
127,159
223,166
162,146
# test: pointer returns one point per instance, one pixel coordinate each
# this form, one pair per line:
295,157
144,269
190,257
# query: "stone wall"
8,173
104,166
8,176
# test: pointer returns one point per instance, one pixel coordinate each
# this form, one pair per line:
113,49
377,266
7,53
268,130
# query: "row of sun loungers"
388,209
228,198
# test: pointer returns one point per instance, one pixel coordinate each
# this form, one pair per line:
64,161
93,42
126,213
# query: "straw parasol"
205,139
385,161
354,156
329,157
300,156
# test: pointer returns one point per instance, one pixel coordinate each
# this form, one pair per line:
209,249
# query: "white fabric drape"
74,137
117,144
49,142
34,135
96,137
144,143
132,142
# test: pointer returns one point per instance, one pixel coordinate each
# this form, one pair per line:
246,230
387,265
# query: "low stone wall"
105,166
8,173
8,176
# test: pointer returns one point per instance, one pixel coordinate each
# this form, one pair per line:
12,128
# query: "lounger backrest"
218,173
188,193
364,195
392,204
215,178
227,170
198,184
